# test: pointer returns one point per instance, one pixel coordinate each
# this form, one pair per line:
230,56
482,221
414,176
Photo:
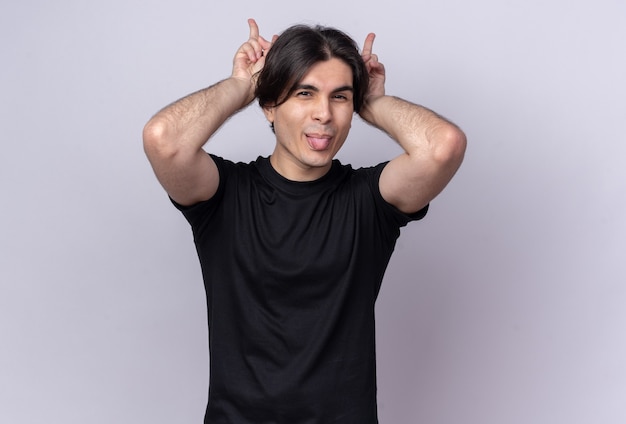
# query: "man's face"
314,122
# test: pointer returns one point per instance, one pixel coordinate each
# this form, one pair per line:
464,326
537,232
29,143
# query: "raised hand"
376,72
375,69
250,57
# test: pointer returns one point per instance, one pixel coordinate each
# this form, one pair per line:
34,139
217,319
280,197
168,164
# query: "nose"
322,111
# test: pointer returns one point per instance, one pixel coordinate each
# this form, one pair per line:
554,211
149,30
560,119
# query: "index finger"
254,29
367,46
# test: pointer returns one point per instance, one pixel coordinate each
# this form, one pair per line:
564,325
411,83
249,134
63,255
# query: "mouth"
318,142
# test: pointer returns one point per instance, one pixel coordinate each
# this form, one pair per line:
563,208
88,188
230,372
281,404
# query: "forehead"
329,73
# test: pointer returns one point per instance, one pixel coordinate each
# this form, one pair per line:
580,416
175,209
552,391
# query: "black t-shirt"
292,271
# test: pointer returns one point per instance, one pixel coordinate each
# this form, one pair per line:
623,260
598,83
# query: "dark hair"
296,50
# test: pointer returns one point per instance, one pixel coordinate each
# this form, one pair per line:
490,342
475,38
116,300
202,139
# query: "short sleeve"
400,217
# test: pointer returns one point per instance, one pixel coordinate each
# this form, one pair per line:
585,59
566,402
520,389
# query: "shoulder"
229,169
231,176
369,177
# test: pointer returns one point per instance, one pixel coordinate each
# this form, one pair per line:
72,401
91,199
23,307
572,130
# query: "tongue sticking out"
318,143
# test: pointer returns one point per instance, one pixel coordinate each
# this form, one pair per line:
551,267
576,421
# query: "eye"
341,97
303,93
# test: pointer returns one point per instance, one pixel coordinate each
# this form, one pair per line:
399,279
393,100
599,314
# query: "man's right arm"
174,138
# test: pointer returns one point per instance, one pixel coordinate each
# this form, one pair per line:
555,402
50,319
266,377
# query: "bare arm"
174,138
433,147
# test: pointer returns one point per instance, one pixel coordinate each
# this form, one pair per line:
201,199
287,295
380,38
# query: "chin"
319,158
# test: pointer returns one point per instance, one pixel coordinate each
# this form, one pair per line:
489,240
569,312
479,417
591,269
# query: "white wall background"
506,305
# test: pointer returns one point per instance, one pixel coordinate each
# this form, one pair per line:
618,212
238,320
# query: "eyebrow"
314,88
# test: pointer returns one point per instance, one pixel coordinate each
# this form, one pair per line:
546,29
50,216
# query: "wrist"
369,108
244,89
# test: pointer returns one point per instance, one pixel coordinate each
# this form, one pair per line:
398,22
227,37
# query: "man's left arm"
433,146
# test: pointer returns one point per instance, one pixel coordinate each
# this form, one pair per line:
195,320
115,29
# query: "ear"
269,113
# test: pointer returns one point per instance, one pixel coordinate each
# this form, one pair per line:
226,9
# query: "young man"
293,247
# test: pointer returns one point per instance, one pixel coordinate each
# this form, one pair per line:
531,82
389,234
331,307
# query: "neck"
295,171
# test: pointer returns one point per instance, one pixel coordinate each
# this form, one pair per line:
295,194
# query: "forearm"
417,129
433,151
174,138
187,124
